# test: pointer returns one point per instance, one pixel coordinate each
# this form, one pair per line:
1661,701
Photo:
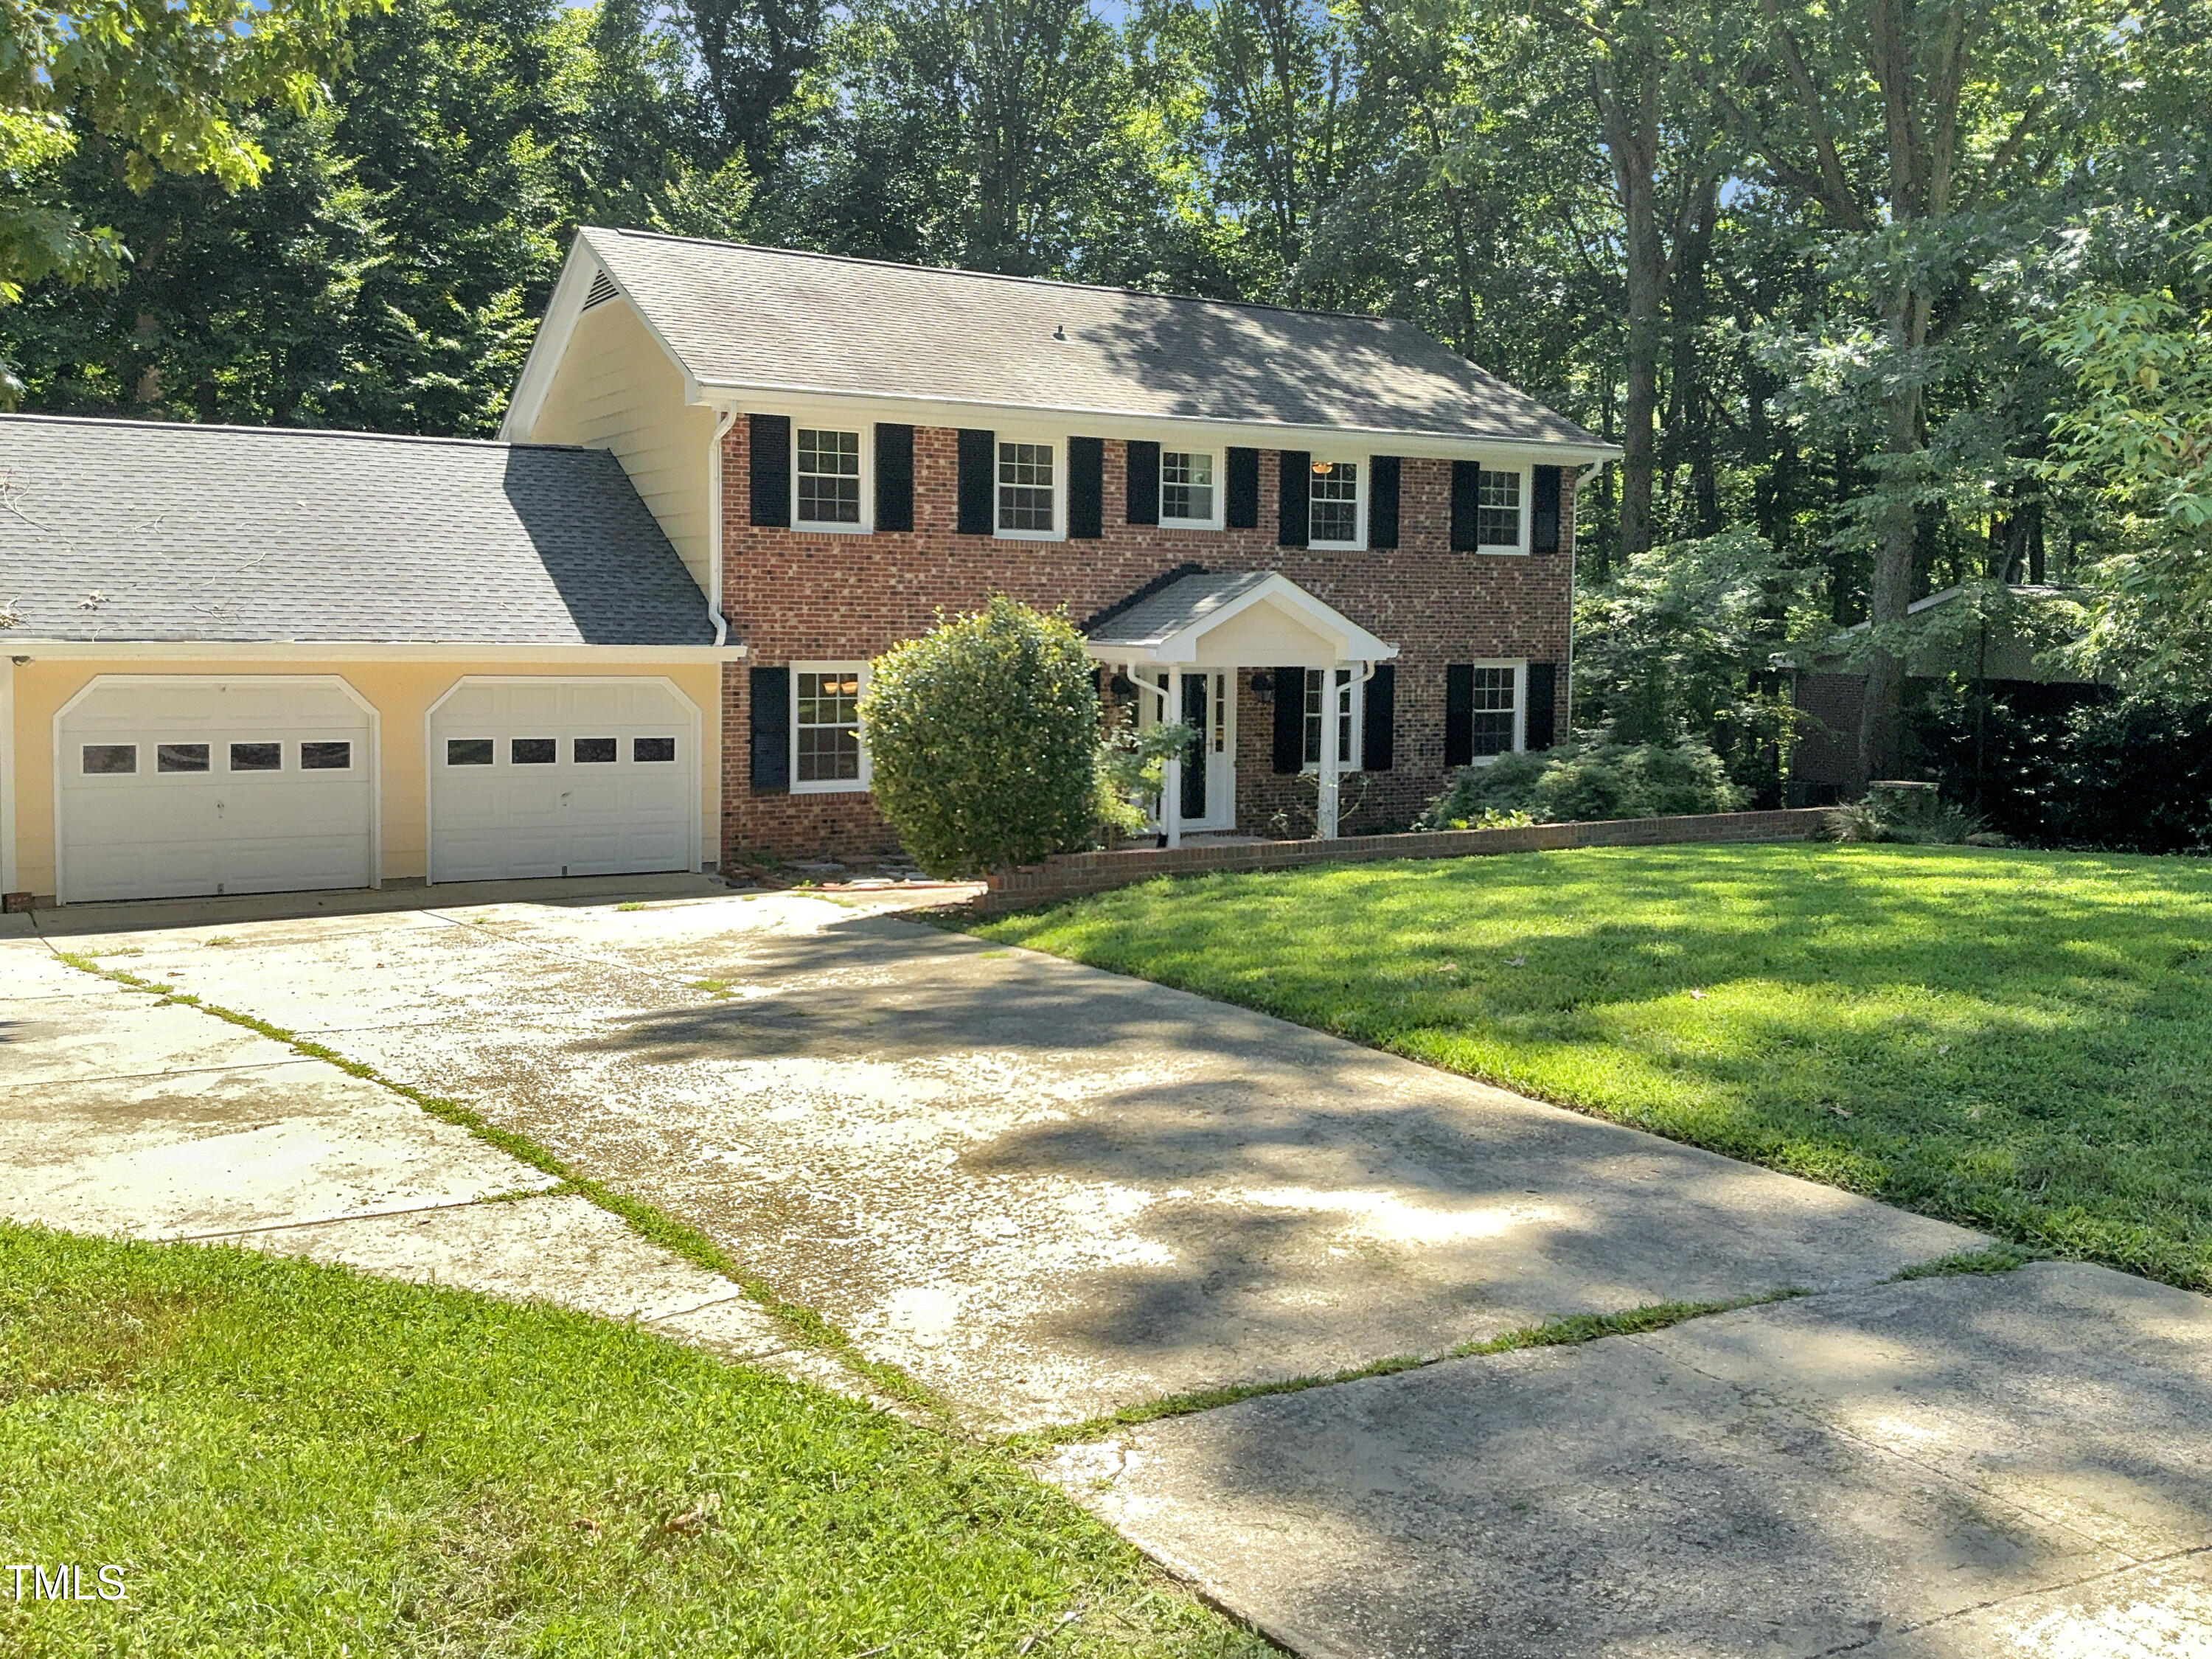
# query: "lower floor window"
1343,706
825,719
1494,709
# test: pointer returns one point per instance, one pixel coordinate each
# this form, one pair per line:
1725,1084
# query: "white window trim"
1358,543
1519,667
1528,508
1220,486
1355,761
827,786
867,431
1058,444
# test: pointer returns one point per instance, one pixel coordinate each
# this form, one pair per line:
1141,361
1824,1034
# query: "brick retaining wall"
1070,874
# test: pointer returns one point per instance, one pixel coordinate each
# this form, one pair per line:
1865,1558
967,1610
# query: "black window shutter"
1144,482
1293,497
1544,512
770,444
1378,743
979,469
1459,712
1543,704
1240,489
1382,501
894,476
771,731
1086,487
1290,685
1466,481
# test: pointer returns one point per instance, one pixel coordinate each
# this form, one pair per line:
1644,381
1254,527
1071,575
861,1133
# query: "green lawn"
294,1462
2021,1042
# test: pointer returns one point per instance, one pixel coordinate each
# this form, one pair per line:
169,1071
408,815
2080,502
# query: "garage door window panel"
469,752
110,760
533,751
596,752
326,758
256,757
181,757
652,751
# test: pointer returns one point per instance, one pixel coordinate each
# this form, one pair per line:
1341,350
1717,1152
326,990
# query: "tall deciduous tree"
1910,127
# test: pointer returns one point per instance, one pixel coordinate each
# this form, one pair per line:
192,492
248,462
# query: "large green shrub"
1580,781
983,740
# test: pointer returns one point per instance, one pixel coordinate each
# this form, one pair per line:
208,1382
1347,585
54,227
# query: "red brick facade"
798,596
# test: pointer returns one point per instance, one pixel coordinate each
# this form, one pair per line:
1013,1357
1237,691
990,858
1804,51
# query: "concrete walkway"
1049,1192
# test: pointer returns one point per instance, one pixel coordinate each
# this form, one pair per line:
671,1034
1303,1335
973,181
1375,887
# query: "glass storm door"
1209,765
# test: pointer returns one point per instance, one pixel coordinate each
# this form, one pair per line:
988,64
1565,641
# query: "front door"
1209,765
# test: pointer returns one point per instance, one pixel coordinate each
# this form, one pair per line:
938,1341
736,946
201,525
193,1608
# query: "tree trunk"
1628,108
1889,593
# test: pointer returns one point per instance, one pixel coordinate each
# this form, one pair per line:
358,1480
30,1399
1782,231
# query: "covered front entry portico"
1183,645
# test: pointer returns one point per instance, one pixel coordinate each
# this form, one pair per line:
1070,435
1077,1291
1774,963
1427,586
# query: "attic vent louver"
602,290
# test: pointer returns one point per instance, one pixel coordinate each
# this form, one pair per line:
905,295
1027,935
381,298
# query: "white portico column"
1325,829
1171,783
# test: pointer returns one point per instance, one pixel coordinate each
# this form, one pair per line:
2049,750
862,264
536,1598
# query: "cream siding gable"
616,389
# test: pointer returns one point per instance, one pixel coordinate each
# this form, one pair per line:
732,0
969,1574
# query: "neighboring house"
1998,653
1330,542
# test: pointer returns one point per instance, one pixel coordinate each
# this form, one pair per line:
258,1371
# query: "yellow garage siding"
616,389
402,693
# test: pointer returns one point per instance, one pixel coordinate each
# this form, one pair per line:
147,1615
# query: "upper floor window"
1498,510
1188,494
1333,519
829,477
1027,490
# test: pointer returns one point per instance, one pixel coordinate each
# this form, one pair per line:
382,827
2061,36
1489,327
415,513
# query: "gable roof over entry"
1231,618
771,320
114,531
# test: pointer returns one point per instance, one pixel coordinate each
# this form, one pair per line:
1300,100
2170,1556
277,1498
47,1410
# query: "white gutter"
8,836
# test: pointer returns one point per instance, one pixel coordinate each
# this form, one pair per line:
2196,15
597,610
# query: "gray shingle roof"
247,534
767,319
1160,616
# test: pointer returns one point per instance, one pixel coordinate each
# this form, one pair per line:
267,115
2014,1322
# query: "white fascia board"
368,651
1347,441
1357,644
578,272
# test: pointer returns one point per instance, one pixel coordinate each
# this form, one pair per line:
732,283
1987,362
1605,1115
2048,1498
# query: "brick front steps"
1068,874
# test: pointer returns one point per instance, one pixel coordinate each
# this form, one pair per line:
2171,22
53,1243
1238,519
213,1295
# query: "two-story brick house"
1261,517
630,635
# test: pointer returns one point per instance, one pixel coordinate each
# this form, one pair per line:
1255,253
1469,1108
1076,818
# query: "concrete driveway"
1048,1193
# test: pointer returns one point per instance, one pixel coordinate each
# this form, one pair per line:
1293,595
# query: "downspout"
723,422
1574,556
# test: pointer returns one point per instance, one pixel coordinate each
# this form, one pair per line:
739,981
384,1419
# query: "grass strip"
1564,1332
806,1326
285,1458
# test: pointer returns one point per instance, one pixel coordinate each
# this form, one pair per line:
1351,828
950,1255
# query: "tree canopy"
1868,290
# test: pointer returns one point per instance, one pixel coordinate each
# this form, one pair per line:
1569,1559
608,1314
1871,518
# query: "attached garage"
172,786
547,777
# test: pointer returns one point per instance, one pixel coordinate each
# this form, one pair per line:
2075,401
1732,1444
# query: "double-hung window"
1497,511
1189,495
827,479
1029,489
1496,708
826,750
1343,706
1334,505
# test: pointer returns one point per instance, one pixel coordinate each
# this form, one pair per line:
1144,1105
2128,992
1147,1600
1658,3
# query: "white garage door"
553,777
177,785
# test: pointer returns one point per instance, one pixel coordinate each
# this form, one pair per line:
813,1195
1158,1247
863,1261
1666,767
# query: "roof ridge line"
993,275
